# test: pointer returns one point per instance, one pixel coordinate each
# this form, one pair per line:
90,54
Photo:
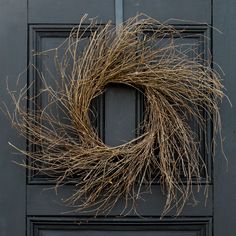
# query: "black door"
28,205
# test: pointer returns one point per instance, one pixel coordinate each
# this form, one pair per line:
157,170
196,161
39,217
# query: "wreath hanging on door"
176,88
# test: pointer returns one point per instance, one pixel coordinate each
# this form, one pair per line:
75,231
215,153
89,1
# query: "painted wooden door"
27,204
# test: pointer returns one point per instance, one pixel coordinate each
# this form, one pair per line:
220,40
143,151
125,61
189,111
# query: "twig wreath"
175,88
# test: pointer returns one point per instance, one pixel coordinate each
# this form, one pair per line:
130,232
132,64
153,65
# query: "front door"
28,203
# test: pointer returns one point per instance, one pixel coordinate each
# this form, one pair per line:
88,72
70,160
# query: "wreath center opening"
117,114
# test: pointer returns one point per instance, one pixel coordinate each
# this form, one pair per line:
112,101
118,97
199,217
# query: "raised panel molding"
50,226
41,38
41,35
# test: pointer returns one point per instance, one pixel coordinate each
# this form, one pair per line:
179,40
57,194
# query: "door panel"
31,199
120,109
117,119
148,227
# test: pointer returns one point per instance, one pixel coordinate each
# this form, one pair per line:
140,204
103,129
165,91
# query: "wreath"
141,53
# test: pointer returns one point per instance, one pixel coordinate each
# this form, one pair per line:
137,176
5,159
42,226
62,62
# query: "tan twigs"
177,88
